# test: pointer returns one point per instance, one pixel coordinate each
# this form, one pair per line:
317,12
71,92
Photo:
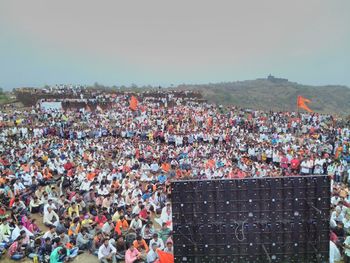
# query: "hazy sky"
162,42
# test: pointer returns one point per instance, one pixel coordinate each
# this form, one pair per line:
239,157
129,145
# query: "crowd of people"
98,182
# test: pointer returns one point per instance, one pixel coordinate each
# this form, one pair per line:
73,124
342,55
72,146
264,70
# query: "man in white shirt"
51,233
107,252
49,204
16,232
166,216
27,179
108,227
335,200
5,231
305,167
337,216
157,241
18,187
85,185
137,209
152,255
50,217
136,192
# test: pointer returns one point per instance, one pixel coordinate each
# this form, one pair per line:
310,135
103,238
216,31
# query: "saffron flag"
301,103
210,164
133,103
210,121
166,167
165,257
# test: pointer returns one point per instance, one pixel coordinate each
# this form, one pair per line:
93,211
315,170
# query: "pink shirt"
284,162
13,249
131,256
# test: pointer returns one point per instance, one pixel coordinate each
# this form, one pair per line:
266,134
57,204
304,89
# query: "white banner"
50,105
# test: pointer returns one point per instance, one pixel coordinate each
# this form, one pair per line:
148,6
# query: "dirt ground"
83,258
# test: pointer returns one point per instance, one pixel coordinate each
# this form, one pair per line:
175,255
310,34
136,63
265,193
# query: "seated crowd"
99,182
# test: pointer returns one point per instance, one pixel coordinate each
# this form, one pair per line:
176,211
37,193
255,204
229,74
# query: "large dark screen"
252,220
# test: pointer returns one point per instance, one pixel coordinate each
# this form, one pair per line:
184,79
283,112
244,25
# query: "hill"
276,94
4,97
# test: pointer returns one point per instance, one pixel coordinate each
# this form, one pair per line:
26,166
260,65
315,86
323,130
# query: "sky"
160,42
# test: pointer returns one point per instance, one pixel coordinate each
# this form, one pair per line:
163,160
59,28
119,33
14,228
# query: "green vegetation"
4,98
276,95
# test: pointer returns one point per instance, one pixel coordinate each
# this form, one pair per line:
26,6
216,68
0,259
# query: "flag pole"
298,105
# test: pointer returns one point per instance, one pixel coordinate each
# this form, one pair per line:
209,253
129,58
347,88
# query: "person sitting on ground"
45,251
97,242
169,247
132,255
100,219
33,227
15,251
74,227
50,217
106,252
5,231
122,226
59,255
16,231
136,224
73,208
164,232
121,248
108,227
84,240
51,233
34,205
159,242
141,245
152,256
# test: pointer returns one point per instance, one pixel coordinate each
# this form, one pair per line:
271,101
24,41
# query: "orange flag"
133,103
210,164
210,121
166,167
301,103
165,257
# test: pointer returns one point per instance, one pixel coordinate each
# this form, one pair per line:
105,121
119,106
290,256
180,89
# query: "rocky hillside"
276,94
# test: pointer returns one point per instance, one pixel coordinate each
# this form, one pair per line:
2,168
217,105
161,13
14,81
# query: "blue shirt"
162,178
